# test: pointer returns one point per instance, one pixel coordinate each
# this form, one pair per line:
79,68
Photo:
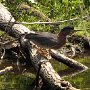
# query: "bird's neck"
62,38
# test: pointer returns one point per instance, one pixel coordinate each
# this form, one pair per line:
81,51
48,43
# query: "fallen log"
77,66
68,61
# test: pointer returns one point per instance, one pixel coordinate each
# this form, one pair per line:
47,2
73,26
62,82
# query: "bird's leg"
44,52
49,51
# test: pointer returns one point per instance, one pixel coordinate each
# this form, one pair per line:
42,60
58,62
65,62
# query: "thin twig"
53,23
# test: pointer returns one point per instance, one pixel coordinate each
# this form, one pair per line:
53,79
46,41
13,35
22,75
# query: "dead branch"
8,45
6,70
52,23
73,64
68,61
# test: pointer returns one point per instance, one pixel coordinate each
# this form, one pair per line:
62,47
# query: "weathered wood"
6,70
47,72
76,66
68,61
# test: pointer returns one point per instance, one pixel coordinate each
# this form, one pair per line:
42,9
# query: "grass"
16,82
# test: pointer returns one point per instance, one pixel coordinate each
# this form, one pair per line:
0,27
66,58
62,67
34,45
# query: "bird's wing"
46,34
41,35
43,38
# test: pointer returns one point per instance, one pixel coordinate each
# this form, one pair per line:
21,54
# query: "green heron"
49,40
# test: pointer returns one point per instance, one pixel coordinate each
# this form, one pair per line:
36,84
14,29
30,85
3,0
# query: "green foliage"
55,10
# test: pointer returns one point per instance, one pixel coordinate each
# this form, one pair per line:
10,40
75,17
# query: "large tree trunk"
47,73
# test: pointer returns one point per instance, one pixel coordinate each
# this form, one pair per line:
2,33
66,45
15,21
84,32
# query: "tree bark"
68,61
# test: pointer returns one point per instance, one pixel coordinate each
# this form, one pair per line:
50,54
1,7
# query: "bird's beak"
76,31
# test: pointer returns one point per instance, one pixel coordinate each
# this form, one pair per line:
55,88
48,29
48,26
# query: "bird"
50,40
